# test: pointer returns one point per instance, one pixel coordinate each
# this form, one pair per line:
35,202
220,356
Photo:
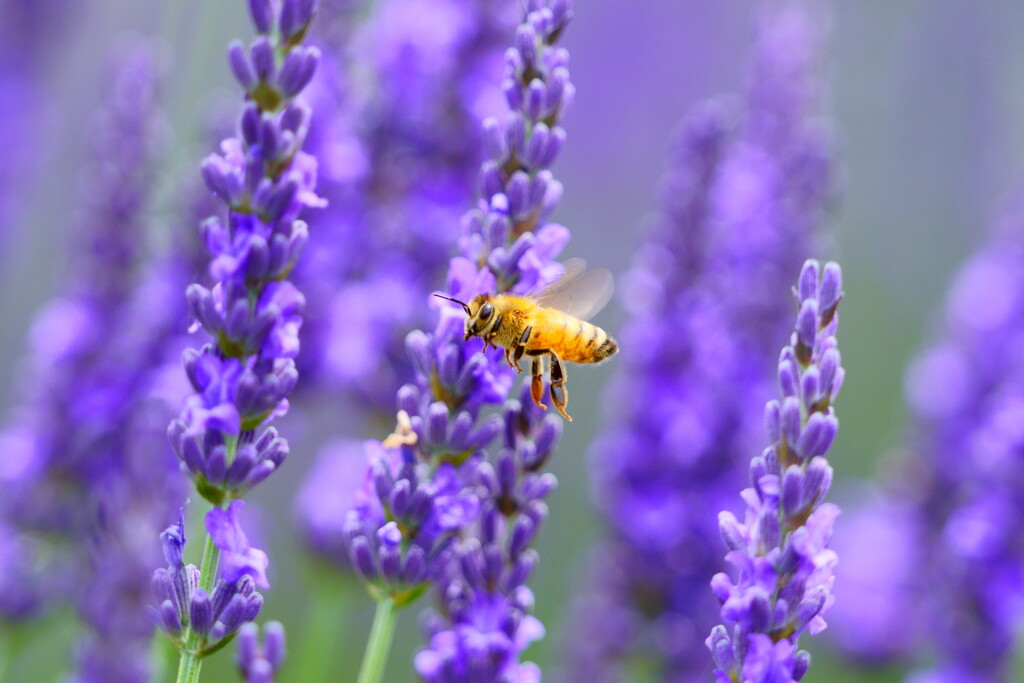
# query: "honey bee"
549,324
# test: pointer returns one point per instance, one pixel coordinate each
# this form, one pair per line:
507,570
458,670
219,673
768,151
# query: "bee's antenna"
461,303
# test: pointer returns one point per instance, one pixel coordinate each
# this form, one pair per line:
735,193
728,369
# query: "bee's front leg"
489,339
559,394
517,352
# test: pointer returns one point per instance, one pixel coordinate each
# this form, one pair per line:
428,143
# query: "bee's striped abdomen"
578,341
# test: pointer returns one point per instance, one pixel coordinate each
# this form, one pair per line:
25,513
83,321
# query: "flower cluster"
242,380
484,621
706,299
432,481
214,616
258,663
780,550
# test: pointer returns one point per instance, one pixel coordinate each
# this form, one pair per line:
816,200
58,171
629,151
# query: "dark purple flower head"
780,550
173,540
252,313
486,643
215,616
258,663
405,518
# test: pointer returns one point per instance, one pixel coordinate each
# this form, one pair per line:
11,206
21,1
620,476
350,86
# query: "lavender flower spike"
435,508
243,378
780,550
253,314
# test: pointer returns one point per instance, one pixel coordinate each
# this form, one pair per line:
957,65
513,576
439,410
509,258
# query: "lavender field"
241,439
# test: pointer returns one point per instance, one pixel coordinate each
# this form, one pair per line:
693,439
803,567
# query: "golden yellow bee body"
545,326
570,338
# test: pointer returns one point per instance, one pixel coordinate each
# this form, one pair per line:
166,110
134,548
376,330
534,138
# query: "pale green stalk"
382,633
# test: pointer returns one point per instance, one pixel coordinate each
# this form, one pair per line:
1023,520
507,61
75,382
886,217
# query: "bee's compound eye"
486,311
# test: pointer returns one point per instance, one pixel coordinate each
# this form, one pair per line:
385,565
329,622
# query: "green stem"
381,634
323,630
191,660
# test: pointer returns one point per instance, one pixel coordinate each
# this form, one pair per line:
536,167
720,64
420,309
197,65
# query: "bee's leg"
537,384
559,394
517,353
489,339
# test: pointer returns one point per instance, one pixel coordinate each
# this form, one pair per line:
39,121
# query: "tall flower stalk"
740,209
81,480
243,377
780,550
435,507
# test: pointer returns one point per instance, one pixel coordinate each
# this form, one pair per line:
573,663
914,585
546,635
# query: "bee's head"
479,313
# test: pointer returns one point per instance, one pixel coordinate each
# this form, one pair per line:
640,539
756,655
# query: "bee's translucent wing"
579,292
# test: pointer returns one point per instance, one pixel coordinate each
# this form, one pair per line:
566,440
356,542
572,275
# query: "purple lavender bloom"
80,468
182,604
967,396
780,550
484,621
432,479
745,193
259,663
242,379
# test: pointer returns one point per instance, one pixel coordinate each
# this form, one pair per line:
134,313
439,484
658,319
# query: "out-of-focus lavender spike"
952,580
81,465
709,300
783,566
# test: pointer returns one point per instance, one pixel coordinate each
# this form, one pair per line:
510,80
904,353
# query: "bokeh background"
927,99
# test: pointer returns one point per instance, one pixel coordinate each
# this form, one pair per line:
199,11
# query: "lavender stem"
190,663
382,633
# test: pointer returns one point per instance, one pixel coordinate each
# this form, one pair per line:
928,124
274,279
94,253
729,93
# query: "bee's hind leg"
559,394
537,383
